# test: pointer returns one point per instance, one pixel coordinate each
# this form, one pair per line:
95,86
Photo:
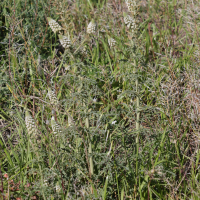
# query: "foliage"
102,98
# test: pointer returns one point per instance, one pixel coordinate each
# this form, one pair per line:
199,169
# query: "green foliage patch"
99,99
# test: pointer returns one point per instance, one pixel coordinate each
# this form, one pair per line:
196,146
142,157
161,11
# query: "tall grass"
99,100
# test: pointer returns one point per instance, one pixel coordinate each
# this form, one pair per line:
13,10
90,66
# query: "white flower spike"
55,127
52,97
111,41
132,6
30,124
54,25
91,29
65,41
130,22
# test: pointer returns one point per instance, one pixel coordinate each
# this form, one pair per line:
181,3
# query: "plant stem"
137,126
90,148
90,152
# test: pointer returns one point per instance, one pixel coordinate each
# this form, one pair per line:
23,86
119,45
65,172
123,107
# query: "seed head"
58,188
132,6
54,25
130,22
52,97
30,124
111,41
55,127
91,29
65,41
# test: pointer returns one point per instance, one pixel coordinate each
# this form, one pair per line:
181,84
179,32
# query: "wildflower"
54,25
5,175
58,188
91,29
65,41
95,100
30,124
111,41
130,22
52,96
114,122
55,126
132,6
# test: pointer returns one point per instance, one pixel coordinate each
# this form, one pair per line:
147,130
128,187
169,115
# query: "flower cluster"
58,188
65,41
55,127
91,29
132,6
54,25
111,42
130,22
52,97
30,124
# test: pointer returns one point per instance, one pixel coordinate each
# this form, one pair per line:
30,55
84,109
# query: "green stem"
90,152
90,148
91,160
137,126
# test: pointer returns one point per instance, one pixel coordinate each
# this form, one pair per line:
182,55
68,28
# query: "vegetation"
99,99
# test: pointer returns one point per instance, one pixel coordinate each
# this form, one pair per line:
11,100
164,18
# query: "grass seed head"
52,97
58,188
132,6
65,41
54,25
111,41
55,126
30,124
130,22
91,29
